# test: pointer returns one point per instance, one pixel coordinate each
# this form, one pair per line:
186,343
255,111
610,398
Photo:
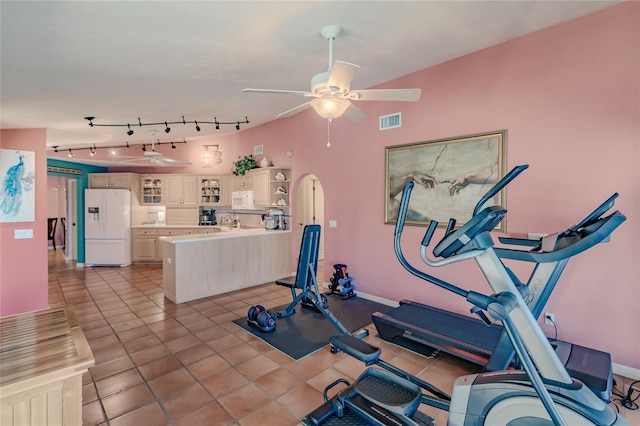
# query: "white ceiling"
161,60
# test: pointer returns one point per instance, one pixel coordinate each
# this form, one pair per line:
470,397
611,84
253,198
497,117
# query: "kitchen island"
202,265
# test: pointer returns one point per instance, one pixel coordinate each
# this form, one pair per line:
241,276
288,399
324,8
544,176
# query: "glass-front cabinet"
151,190
210,190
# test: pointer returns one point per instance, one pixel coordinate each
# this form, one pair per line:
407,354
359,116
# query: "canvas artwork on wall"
451,175
17,196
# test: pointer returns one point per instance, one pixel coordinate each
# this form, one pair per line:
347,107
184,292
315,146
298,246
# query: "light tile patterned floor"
158,363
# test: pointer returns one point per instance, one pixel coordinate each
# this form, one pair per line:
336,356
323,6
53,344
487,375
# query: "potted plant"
243,164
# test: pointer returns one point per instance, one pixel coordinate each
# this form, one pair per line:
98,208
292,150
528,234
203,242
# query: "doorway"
310,208
62,205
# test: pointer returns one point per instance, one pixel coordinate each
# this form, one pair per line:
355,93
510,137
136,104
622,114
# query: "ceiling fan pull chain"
329,132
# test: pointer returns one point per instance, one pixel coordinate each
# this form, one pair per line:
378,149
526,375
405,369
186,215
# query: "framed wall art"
17,195
451,175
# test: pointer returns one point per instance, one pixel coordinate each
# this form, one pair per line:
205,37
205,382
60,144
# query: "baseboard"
79,265
621,370
377,299
628,372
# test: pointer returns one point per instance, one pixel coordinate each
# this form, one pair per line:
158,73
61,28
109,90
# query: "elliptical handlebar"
498,186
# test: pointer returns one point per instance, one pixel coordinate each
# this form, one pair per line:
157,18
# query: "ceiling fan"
154,156
331,90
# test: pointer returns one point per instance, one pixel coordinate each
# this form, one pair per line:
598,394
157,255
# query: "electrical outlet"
549,318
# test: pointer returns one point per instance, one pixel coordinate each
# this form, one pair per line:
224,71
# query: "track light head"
167,128
129,132
55,148
215,120
173,146
197,127
238,125
92,153
144,147
70,154
90,119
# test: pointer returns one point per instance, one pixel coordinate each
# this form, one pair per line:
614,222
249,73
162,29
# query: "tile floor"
158,363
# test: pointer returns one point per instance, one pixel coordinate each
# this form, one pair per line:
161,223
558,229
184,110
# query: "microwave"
242,200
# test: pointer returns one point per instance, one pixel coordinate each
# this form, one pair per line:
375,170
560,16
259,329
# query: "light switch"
333,224
23,234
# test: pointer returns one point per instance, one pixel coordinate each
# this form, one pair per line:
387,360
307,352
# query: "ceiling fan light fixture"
330,108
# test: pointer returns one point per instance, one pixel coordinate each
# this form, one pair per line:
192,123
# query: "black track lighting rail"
95,148
166,124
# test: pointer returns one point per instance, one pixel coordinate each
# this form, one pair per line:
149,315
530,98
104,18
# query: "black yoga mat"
306,331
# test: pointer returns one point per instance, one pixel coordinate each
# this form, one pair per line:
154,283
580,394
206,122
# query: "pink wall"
569,97
23,263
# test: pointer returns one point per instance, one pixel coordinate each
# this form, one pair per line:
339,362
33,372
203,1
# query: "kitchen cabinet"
228,182
111,180
260,187
271,187
144,245
180,191
151,190
210,190
243,182
145,242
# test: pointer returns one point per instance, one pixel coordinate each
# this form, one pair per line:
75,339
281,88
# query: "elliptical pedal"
355,347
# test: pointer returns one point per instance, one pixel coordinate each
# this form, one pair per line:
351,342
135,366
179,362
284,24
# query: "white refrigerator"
107,227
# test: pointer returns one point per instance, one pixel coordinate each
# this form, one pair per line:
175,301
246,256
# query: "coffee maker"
207,217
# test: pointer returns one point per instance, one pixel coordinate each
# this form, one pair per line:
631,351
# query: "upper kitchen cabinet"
271,186
243,182
112,180
151,190
210,190
180,191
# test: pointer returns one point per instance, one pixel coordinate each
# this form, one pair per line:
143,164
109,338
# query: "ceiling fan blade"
282,92
402,95
295,110
171,161
354,113
341,74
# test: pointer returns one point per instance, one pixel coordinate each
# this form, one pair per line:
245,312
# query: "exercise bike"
542,393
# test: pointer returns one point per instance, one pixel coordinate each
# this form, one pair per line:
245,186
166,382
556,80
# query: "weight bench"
304,286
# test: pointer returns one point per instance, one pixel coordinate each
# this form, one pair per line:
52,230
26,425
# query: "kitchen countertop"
225,232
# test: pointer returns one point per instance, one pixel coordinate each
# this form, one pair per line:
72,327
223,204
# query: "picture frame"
451,175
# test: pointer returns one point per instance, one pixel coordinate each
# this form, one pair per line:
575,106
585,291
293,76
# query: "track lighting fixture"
166,124
93,149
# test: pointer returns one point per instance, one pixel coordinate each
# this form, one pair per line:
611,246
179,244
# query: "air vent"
390,121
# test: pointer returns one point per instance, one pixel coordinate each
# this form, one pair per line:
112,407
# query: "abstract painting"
17,196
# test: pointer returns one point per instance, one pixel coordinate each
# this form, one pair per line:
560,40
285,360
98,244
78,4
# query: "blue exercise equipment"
341,283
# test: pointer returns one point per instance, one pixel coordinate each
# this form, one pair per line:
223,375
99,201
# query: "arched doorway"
310,208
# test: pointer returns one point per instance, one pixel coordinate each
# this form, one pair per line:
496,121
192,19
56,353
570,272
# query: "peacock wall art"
17,197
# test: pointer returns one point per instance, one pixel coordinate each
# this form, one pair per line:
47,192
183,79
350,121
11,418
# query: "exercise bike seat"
484,221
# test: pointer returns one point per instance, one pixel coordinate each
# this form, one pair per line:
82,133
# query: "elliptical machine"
542,394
